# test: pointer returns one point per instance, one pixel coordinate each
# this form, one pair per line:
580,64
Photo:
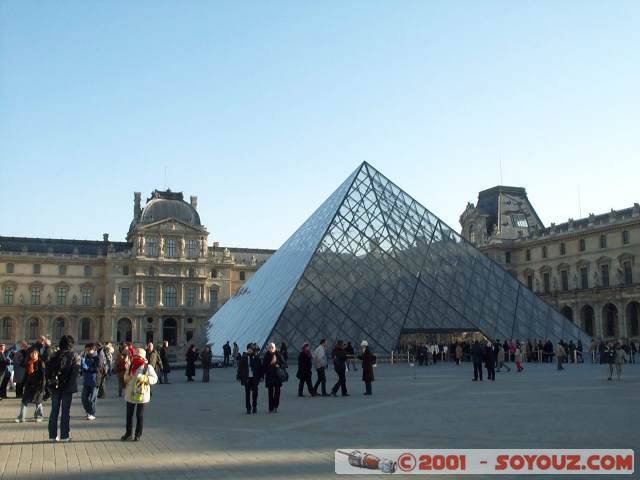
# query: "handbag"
282,374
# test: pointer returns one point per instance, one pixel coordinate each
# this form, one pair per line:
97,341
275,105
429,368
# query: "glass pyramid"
372,262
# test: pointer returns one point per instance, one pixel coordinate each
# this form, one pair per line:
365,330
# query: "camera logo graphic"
406,462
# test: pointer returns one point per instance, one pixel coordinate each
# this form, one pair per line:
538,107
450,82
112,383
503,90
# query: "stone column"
159,303
598,320
21,327
622,322
157,330
181,294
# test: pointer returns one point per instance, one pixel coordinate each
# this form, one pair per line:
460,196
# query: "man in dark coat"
62,371
340,366
490,361
304,370
154,359
367,366
164,358
226,350
249,375
477,354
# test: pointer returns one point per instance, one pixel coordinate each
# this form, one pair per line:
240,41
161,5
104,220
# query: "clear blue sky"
263,108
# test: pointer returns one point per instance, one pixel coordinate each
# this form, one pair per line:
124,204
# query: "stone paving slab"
201,431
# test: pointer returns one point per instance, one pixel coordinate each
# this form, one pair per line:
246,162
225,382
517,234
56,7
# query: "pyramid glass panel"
372,263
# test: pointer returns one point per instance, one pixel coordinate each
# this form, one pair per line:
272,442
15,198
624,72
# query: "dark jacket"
271,378
304,367
64,365
367,365
247,362
90,367
477,353
34,385
206,358
155,360
192,356
489,356
339,360
164,358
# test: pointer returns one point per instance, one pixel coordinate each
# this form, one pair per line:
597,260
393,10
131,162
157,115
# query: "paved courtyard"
201,430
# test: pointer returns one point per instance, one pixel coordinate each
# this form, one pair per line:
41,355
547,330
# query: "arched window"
633,319
124,330
85,329
58,328
587,319
567,312
610,319
33,328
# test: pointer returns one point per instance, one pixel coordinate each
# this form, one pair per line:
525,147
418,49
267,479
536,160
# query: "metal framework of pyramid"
372,262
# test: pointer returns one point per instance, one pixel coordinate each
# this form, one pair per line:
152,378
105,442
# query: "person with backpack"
139,377
90,365
368,360
340,366
33,387
62,372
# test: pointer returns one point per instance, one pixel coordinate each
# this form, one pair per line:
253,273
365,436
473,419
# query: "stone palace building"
163,283
586,268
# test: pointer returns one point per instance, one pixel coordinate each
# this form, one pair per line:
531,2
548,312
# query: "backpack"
140,386
56,378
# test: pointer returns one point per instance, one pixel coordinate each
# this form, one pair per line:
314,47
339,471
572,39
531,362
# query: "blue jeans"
89,395
165,376
23,412
60,400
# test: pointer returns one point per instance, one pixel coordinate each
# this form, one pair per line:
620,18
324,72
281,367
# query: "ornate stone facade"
585,268
163,283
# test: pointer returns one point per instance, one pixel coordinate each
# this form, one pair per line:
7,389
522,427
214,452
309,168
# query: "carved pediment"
169,225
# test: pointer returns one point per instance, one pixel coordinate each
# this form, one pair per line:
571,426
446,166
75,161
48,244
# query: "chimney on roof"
137,198
194,202
105,237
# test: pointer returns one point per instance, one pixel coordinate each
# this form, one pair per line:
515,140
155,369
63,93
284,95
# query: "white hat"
140,352
272,345
364,343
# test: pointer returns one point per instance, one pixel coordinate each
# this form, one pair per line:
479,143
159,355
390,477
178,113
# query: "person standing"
191,357
153,358
476,358
275,368
90,364
249,374
235,354
304,370
320,363
206,358
139,377
284,351
351,355
339,357
108,353
518,360
33,387
560,354
619,358
501,362
367,366
124,358
20,359
226,351
164,358
458,353
490,362
5,373
62,372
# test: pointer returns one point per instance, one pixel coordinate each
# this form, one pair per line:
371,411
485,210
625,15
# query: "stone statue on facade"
141,245
620,277
74,300
575,281
203,247
114,298
49,299
555,283
162,246
537,284
21,299
182,247
596,280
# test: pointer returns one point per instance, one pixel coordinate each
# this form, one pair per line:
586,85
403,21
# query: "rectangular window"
9,267
625,237
603,241
628,273
547,282
507,257
8,295
242,276
213,297
170,296
151,247
192,249
5,333
36,269
544,252
124,297
61,296
86,296
604,273
62,269
125,270
528,254
87,270
565,280
519,221
530,282
563,248
583,244
171,248
191,296
35,295
584,277
150,296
